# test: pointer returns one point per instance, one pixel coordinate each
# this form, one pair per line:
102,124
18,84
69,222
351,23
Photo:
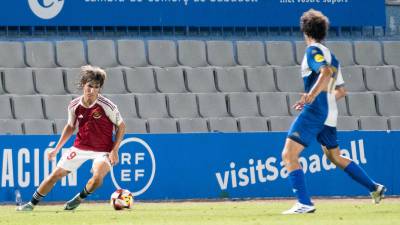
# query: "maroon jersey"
95,123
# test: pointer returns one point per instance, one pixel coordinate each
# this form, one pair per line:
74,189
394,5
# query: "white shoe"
299,208
26,207
378,194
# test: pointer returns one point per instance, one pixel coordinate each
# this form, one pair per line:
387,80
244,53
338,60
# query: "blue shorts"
308,126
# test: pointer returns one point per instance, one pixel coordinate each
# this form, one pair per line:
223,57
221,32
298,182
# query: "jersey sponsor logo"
46,9
319,58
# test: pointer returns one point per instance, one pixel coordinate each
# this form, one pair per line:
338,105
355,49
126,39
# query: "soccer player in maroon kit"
96,117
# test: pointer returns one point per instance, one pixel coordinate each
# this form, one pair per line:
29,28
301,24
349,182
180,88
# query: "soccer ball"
121,199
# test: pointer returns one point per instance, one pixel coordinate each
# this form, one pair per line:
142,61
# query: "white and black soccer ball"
121,199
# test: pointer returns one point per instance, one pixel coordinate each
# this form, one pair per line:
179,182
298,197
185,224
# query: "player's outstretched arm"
118,138
65,135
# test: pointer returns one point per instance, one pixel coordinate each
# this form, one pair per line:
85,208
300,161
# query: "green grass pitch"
334,211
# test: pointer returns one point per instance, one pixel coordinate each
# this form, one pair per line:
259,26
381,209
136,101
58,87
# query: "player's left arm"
118,138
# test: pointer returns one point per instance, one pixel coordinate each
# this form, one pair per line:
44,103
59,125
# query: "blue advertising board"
206,13
202,166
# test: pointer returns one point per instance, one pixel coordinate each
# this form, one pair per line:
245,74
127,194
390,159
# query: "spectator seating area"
184,86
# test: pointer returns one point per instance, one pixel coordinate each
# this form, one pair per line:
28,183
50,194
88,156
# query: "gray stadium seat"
361,104
162,125
300,51
5,109
28,107
230,79
220,53
394,122
368,53
170,80
273,104
162,53
192,125
391,52
212,105
72,78
397,77
292,99
260,79
289,79
2,91
343,50
253,124
223,124
353,78
125,104
182,105
59,125
192,53
70,53
49,81
251,53
115,82
373,123
243,104
200,79
135,126
347,123
280,123
140,80
56,106
280,53
152,106
40,54
38,126
8,126
379,78
19,81
102,53
342,107
388,103
11,54
132,53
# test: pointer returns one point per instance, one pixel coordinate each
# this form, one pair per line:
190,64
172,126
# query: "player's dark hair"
314,24
92,74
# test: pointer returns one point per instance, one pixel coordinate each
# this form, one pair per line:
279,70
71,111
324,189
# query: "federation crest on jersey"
96,114
319,58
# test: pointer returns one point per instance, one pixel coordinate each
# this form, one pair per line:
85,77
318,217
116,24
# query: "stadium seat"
59,125
280,53
70,54
170,80
8,126
397,77
11,54
220,53
72,78
300,51
230,79
135,126
368,53
379,78
162,53
182,105
251,53
273,104
152,106
223,124
280,123
343,50
40,54
2,91
361,104
200,80
342,107
252,124
391,52
289,79
373,123
102,53
5,109
212,105
162,125
56,106
140,80
260,79
192,125
292,99
394,122
347,123
192,53
49,81
19,81
132,53
27,107
125,104
115,82
243,105
388,103
38,126
353,78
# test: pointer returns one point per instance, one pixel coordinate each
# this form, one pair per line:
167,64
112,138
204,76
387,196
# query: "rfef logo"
46,9
136,168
